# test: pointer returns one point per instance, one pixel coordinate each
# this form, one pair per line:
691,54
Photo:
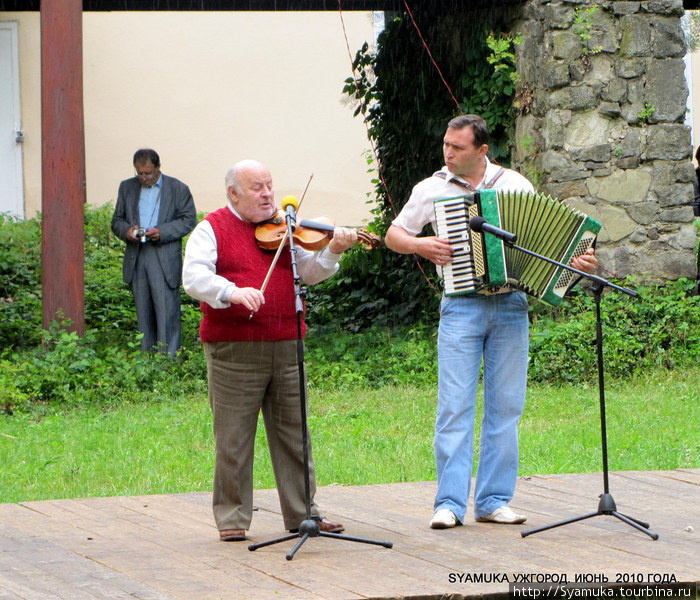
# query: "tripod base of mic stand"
606,506
311,528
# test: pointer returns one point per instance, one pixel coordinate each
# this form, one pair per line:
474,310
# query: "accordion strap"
469,186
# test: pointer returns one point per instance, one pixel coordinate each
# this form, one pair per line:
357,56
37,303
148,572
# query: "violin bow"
282,242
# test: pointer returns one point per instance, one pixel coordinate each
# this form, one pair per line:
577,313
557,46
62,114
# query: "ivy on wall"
421,75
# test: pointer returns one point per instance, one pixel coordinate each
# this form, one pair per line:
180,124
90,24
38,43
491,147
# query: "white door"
11,187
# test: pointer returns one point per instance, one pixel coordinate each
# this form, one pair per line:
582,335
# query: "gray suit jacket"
177,216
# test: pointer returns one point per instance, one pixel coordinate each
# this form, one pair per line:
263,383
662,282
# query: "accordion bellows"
543,225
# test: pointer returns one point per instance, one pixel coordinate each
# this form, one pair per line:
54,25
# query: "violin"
310,234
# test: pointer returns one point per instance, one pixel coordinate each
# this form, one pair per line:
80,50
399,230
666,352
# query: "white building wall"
206,89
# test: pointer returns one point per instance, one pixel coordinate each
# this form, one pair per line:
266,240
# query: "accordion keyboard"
466,271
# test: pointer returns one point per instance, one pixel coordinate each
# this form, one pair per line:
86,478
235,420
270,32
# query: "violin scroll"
369,240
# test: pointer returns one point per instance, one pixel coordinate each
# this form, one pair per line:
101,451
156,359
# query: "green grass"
359,436
652,423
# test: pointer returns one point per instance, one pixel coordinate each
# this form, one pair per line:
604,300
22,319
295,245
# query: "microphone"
290,205
479,224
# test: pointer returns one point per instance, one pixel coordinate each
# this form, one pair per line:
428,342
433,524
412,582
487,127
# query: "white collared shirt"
419,211
200,280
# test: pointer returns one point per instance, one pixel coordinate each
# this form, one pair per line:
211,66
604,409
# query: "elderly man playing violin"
250,343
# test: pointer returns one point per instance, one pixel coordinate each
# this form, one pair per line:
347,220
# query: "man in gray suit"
153,213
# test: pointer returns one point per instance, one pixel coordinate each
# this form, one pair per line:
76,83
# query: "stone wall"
603,102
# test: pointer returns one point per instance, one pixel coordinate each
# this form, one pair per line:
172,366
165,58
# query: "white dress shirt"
419,210
200,280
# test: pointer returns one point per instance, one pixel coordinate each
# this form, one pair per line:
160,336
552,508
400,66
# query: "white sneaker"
444,519
503,514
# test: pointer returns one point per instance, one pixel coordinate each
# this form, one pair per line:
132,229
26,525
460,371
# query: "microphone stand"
606,505
310,526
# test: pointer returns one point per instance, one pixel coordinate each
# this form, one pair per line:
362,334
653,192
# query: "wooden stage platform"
166,547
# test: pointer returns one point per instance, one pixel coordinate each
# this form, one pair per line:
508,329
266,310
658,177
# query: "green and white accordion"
543,225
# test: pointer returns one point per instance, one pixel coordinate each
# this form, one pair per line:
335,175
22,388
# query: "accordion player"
543,225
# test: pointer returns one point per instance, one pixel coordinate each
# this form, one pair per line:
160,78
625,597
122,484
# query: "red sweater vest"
241,261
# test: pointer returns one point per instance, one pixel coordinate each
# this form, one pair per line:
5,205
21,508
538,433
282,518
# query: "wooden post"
63,163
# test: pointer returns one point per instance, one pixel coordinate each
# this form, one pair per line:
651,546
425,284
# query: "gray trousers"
157,304
246,378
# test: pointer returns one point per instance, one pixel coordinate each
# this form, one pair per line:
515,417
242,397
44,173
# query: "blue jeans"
472,327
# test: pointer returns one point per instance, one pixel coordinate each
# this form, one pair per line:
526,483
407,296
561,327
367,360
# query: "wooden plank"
165,547
32,567
635,490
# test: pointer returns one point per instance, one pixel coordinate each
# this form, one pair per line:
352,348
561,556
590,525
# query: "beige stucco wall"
206,89
693,69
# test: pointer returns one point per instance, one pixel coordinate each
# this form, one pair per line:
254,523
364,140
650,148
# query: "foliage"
582,28
67,370
109,307
376,358
345,347
361,294
105,365
406,105
20,282
660,328
644,116
489,88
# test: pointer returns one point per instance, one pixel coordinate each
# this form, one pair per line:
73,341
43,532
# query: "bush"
70,370
109,306
344,347
20,282
361,295
58,367
660,328
376,357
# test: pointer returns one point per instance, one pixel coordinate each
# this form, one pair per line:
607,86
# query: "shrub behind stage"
659,329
